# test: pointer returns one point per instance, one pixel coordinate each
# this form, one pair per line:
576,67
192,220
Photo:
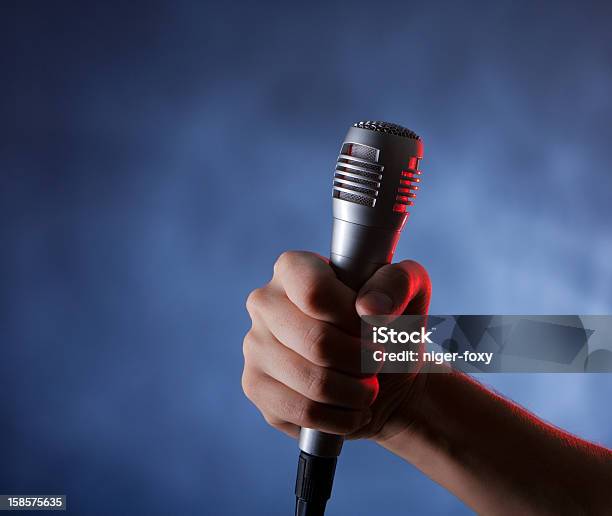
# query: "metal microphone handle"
356,253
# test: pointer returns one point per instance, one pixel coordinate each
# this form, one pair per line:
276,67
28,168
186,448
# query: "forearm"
497,457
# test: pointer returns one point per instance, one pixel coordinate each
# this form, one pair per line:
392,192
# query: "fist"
302,355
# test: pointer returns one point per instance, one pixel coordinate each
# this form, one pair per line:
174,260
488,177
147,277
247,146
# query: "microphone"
375,182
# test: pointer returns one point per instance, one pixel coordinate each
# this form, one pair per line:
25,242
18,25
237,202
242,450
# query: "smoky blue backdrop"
157,157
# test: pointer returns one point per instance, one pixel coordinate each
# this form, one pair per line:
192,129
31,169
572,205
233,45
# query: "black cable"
313,485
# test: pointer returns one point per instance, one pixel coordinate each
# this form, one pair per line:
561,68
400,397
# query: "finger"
311,285
396,289
249,386
287,428
292,431
317,341
316,383
280,403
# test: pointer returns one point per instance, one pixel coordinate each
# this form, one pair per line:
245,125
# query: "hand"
302,353
303,368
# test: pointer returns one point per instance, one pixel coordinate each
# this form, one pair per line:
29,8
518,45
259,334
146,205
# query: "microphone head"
377,175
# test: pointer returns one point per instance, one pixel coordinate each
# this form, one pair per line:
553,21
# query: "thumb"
396,289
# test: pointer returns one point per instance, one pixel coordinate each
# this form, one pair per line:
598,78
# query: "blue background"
157,157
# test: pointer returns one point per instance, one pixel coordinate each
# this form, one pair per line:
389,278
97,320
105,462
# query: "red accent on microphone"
407,192
412,175
403,198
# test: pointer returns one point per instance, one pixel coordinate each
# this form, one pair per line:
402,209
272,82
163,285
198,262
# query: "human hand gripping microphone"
375,181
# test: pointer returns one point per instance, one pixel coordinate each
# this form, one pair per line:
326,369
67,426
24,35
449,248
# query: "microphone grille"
358,174
387,127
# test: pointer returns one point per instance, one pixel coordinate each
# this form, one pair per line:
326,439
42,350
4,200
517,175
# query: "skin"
302,368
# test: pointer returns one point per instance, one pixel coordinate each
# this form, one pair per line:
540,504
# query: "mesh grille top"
386,127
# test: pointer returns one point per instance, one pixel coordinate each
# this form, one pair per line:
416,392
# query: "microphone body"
375,181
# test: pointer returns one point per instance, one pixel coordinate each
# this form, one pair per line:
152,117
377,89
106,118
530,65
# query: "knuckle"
318,385
396,277
248,386
425,280
314,296
284,261
316,343
422,271
273,422
255,300
309,415
248,345
420,288
419,274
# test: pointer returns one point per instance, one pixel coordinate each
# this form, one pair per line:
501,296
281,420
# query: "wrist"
407,419
423,431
